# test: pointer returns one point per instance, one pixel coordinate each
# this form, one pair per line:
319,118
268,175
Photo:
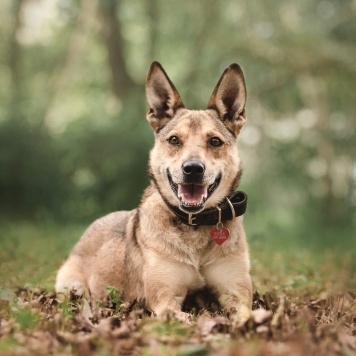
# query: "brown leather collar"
231,207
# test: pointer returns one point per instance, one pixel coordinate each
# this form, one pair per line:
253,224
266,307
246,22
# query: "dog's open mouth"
192,197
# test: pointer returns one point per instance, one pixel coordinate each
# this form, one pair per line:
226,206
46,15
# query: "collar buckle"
191,218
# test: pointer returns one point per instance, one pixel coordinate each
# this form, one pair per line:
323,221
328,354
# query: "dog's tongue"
191,193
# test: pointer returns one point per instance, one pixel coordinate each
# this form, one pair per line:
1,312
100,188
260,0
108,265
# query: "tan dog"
176,241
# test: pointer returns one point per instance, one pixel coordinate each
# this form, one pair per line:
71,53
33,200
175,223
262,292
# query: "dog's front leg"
166,284
166,300
231,278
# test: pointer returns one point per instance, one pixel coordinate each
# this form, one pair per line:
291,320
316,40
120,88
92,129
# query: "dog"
187,233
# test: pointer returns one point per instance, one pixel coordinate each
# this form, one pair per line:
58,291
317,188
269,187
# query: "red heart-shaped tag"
219,235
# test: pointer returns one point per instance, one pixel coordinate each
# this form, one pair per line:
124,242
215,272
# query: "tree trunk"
14,51
111,31
314,93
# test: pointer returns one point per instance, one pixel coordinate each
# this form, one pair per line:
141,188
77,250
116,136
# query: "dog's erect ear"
162,97
229,98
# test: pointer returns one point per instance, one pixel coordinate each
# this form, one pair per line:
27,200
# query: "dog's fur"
148,253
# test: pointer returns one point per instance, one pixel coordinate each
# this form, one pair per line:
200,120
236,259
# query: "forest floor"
304,304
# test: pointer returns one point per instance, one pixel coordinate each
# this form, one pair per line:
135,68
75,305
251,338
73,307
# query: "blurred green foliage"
74,141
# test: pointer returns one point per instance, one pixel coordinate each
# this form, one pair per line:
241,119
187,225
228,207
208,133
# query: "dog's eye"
216,142
174,140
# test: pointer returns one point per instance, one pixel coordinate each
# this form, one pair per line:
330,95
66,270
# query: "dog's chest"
176,241
194,246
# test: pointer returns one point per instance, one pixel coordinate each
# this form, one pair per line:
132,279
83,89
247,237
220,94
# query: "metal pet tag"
219,233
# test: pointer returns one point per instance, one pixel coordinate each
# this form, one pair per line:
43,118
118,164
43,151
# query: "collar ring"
232,208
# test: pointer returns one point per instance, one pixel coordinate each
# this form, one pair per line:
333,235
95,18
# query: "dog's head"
195,162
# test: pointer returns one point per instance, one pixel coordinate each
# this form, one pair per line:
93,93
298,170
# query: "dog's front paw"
238,315
73,288
168,314
183,317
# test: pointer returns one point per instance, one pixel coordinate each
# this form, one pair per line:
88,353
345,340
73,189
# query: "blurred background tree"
74,141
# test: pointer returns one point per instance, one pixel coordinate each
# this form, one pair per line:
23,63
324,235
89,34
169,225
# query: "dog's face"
195,162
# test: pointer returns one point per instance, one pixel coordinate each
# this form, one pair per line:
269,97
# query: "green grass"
292,267
31,252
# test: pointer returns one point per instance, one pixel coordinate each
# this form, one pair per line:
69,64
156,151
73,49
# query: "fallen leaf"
261,316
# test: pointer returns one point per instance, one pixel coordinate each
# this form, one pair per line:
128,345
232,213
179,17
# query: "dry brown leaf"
347,341
295,324
73,338
261,316
208,324
279,313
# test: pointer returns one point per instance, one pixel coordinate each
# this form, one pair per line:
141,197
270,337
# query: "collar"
231,207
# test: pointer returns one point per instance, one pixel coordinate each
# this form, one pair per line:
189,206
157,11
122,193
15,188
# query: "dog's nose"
194,169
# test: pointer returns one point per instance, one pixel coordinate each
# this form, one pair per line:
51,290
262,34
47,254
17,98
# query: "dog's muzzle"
192,192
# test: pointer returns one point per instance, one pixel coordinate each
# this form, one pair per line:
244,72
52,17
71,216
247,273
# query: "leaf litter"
40,322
